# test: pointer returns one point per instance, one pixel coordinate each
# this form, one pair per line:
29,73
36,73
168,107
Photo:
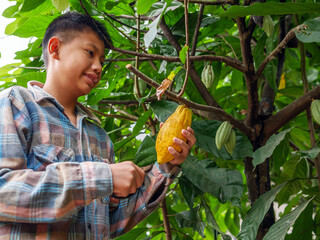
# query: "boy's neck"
63,97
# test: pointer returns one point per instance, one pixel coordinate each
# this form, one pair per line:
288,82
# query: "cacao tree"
265,58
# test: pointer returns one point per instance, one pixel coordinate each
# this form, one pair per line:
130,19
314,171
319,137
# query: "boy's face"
80,63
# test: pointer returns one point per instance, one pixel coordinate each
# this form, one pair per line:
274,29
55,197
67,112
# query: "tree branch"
133,119
266,105
193,73
249,73
227,60
187,44
214,113
274,123
165,217
196,31
126,102
278,49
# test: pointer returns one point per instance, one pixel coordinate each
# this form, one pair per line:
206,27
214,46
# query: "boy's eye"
90,53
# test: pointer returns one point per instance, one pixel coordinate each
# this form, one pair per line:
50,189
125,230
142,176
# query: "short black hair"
69,23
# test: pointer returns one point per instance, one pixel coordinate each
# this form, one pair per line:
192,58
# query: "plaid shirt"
55,179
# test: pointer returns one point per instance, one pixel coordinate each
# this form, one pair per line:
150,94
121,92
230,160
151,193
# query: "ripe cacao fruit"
315,110
268,25
231,143
223,134
207,76
172,127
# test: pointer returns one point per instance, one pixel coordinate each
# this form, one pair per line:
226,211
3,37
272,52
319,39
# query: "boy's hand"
185,146
127,178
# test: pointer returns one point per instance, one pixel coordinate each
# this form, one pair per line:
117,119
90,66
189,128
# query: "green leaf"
29,5
151,34
280,154
259,49
312,34
270,73
261,154
224,184
189,190
120,8
236,80
163,109
303,226
32,8
153,27
192,219
312,153
271,8
98,94
141,122
143,6
10,11
133,234
205,132
317,222
146,153
136,130
212,221
183,54
29,27
61,5
254,217
128,154
23,79
279,229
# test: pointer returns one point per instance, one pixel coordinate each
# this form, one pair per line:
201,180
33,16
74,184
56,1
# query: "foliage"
274,163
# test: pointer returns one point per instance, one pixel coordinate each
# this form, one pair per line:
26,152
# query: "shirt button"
89,226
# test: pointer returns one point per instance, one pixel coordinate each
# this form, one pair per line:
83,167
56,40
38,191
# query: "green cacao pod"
315,110
231,143
142,88
268,25
223,134
207,76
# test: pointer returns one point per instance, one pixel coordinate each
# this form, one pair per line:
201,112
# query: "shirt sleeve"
51,195
128,212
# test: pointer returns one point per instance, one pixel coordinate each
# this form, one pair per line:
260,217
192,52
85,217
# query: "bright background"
9,44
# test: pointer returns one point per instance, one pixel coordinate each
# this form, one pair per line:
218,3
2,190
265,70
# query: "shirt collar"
40,94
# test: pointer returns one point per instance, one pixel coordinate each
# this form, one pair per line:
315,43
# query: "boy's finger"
140,176
191,138
185,148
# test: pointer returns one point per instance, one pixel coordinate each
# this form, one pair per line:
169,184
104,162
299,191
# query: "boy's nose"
97,66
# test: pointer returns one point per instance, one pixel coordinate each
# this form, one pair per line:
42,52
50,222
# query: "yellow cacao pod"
231,143
315,110
223,134
207,76
172,127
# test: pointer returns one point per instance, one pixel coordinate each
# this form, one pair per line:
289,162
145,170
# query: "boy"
57,180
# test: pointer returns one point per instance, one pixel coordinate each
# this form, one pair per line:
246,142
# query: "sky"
9,44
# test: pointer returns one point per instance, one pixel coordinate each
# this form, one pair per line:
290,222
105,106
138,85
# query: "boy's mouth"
92,77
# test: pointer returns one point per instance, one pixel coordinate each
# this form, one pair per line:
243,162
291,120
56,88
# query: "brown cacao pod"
172,127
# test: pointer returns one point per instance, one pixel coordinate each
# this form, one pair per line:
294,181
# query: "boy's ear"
53,47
